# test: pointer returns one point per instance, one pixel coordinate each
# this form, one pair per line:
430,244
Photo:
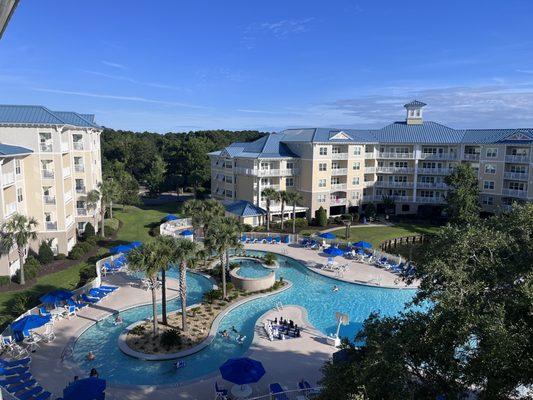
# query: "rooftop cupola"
414,112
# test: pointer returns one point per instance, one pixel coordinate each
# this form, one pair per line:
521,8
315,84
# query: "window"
290,165
322,167
488,185
357,150
228,164
323,151
48,217
289,182
228,179
321,183
17,167
487,200
229,193
336,150
492,152
19,195
490,169
356,166
516,185
518,168
355,181
321,198
265,166
81,226
427,193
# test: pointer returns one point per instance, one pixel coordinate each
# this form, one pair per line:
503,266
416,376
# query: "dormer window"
414,112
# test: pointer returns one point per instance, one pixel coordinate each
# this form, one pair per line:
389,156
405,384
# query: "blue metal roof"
9,150
243,208
480,136
427,132
39,115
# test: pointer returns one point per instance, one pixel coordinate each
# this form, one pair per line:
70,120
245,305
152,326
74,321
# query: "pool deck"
358,272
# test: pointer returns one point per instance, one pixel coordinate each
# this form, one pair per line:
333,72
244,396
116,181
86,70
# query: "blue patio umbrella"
85,389
170,217
242,370
56,296
124,248
327,235
333,251
363,244
187,232
24,324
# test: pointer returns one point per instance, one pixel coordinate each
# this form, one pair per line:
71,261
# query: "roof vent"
414,112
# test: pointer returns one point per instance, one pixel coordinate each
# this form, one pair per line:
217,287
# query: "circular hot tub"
251,275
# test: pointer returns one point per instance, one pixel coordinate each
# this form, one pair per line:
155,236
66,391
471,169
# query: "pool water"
250,268
309,290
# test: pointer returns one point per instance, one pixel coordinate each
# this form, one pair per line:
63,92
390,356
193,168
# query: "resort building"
49,161
405,161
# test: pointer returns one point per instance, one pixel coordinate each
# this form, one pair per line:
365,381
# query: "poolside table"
241,391
31,343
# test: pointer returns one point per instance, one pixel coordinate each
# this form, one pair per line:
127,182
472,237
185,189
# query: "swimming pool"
250,268
309,290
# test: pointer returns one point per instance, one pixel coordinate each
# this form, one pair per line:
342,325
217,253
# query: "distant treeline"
166,162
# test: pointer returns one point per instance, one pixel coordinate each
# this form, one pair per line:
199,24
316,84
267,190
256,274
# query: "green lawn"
137,221
378,234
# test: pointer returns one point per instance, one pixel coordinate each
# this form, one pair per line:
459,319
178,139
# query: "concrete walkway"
358,272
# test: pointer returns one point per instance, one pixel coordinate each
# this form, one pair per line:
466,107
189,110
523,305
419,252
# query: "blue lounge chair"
220,392
42,396
100,294
269,239
30,393
107,265
88,299
44,312
77,304
243,238
277,240
15,363
109,288
17,387
14,370
287,239
15,379
105,290
277,391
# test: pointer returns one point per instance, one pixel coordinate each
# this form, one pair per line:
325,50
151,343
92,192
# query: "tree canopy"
462,199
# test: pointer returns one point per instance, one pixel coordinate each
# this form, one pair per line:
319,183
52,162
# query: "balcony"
391,170
69,221
64,147
66,172
431,185
435,171
524,159
11,208
80,189
339,171
431,200
339,201
81,212
517,176
77,145
339,156
275,187
406,185
48,174
47,147
369,155
338,186
438,156
471,157
68,196
379,198
514,193
395,155
266,172
49,199
51,226
79,168
8,178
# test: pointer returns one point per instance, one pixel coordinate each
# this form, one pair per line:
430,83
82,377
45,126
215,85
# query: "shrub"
154,231
20,303
46,255
5,280
88,231
111,224
87,246
370,210
355,217
321,217
90,241
229,286
247,228
61,256
212,295
170,338
76,253
31,268
270,258
138,330
86,274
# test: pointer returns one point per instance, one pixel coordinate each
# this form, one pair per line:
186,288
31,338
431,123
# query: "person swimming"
225,334
118,320
179,364
233,329
240,339
90,356
335,288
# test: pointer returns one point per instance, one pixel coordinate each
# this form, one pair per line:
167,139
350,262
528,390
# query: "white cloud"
286,27
113,64
135,81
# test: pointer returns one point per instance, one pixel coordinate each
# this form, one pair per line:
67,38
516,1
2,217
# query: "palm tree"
108,192
269,195
283,199
146,259
223,237
293,198
17,232
203,213
92,199
186,254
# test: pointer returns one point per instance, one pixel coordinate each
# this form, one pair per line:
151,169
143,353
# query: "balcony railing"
8,178
431,200
339,171
81,212
77,145
389,170
394,184
275,187
517,158
519,176
69,221
337,201
68,195
51,226
11,208
338,186
379,197
438,156
471,157
66,172
394,155
514,193
48,174
64,147
49,199
431,185
80,189
435,171
266,172
79,167
46,147
339,156
369,155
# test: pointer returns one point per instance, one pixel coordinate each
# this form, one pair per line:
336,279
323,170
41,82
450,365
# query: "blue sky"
188,65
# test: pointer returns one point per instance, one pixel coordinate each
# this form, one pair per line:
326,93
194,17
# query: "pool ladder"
279,306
